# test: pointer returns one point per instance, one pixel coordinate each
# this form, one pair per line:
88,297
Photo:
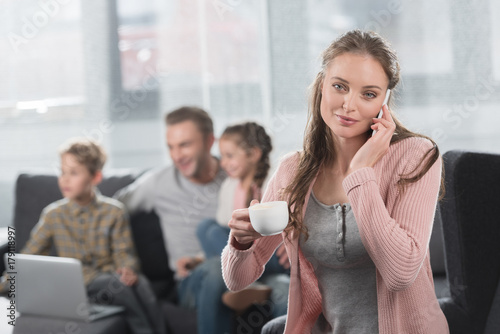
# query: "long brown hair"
318,146
250,135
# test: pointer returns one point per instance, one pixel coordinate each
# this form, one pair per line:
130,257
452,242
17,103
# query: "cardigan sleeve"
397,241
240,268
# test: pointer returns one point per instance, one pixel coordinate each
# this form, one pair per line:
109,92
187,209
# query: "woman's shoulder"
291,157
408,153
290,161
286,168
412,146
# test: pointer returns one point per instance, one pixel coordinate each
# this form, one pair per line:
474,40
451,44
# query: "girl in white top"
244,152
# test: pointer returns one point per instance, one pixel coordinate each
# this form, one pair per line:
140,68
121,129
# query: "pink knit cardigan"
395,229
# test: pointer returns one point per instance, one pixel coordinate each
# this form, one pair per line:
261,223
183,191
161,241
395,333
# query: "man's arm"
139,196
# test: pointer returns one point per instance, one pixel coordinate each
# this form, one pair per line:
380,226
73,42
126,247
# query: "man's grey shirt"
180,204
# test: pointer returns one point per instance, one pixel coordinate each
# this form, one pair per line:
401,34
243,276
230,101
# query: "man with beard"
182,195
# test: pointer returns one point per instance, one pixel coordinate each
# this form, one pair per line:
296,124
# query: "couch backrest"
470,213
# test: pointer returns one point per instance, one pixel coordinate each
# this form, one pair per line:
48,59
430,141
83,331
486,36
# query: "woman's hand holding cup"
241,228
260,219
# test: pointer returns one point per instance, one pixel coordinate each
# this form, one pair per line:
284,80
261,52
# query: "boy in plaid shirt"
95,229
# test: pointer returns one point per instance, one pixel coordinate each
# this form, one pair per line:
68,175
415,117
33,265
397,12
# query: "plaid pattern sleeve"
40,239
39,243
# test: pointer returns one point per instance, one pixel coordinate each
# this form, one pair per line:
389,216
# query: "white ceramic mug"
269,218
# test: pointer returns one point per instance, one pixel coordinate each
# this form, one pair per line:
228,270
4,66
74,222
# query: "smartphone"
387,94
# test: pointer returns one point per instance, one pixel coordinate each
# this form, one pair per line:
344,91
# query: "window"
42,87
110,70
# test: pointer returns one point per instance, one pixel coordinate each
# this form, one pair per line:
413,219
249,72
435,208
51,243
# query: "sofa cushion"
148,238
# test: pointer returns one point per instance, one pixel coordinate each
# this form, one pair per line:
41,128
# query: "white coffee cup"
269,218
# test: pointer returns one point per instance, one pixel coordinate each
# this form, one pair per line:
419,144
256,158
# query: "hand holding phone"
387,94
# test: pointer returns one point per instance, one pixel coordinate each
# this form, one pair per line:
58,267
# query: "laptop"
53,286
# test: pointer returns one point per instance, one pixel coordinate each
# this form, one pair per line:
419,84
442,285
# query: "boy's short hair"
195,114
87,152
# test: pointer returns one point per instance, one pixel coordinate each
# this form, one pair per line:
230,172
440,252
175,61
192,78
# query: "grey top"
179,203
345,272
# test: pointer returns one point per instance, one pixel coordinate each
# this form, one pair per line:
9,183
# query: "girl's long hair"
251,135
318,146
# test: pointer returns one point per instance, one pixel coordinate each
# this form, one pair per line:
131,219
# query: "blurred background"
111,69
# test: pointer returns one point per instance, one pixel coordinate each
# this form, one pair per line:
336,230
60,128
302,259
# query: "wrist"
240,246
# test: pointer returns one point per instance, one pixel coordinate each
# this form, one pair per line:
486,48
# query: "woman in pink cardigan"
361,208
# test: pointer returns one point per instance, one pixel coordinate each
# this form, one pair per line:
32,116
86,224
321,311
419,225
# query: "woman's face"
353,91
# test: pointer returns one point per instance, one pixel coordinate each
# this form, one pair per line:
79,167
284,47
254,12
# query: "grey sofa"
470,213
